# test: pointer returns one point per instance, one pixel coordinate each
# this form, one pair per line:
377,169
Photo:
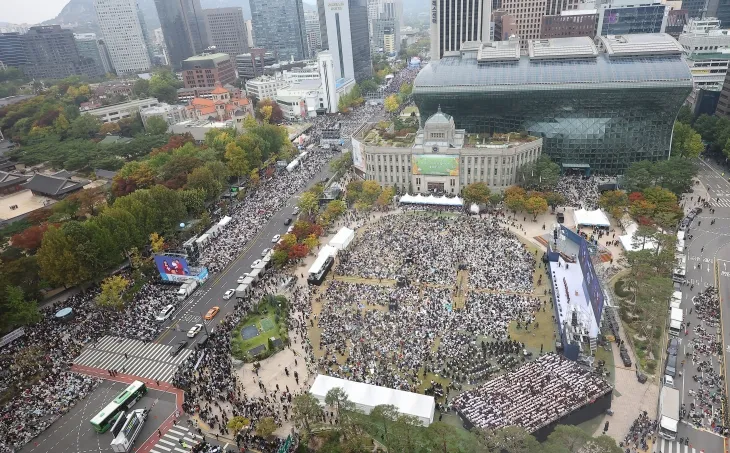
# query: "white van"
165,313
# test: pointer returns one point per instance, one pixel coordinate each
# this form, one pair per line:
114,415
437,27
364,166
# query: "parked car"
178,347
228,294
211,313
255,263
263,254
276,238
295,211
673,346
194,330
241,278
165,313
287,221
290,229
671,368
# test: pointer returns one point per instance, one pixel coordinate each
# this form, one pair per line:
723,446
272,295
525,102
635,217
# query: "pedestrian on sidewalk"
159,433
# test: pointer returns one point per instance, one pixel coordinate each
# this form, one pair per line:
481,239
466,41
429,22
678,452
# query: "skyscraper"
455,21
227,30
11,49
88,46
123,35
314,37
347,37
385,18
622,17
52,54
183,25
278,26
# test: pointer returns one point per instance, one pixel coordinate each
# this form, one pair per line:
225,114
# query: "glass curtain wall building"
183,26
278,26
606,105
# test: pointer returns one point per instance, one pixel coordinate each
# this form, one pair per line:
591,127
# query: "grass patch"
270,318
619,289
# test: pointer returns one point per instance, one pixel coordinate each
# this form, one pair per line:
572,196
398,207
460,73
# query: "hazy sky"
32,12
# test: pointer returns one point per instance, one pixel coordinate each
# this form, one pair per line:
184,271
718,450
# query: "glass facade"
631,20
183,26
278,26
602,112
360,38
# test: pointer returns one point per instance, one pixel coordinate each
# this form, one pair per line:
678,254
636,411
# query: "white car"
194,330
289,230
242,278
255,263
276,238
228,294
165,313
263,254
295,211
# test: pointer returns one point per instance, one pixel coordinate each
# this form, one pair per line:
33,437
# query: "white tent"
224,221
432,200
627,240
367,396
591,218
322,256
342,239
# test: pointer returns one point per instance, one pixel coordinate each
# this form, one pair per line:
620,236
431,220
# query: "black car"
287,221
202,342
178,347
673,346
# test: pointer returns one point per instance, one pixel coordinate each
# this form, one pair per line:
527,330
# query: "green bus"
106,418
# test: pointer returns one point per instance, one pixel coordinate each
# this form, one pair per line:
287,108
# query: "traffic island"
263,332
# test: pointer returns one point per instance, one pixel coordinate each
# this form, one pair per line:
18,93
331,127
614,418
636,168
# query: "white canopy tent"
343,238
627,240
322,256
432,200
225,221
367,396
591,218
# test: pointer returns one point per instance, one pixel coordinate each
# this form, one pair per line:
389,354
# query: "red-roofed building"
222,106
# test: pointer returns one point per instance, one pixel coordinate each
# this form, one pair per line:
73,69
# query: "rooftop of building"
219,56
398,133
567,62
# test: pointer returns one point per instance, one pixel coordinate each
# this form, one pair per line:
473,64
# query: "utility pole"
204,326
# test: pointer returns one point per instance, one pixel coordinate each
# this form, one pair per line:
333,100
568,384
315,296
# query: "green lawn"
265,321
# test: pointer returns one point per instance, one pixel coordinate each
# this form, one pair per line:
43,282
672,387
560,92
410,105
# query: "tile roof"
53,184
9,179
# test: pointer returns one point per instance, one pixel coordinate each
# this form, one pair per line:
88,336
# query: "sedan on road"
255,263
228,294
211,313
673,346
295,211
276,238
194,330
178,347
263,254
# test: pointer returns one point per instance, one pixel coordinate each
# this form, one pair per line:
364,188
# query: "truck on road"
186,289
675,321
668,413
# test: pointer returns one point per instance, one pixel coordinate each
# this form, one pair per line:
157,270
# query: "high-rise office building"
88,45
623,17
385,18
251,65
278,26
347,37
183,25
227,30
314,38
456,21
52,54
11,49
119,21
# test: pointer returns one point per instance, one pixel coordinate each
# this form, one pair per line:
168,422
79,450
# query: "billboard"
436,165
357,158
172,268
592,285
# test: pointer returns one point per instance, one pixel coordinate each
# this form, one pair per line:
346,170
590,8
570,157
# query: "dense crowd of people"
532,396
429,248
641,430
579,191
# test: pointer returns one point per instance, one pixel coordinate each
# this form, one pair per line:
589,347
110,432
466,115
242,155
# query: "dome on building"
439,118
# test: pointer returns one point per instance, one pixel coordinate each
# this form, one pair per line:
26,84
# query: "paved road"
74,433
211,294
708,244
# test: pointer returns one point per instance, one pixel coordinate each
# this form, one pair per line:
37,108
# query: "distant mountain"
77,13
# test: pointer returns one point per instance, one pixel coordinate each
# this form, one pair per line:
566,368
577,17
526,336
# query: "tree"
265,427
157,242
535,206
194,201
370,192
391,103
85,126
311,241
112,289
156,125
109,129
566,439
30,238
542,174
477,192
163,86
280,258
141,88
268,110
685,141
306,411
337,399
237,423
368,86
204,179
512,439
342,163
308,203
58,259
236,160
383,417
615,202
298,251
385,198
19,312
685,115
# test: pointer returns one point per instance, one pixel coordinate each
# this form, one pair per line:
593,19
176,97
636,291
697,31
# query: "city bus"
106,418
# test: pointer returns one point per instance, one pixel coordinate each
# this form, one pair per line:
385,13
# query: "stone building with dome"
438,157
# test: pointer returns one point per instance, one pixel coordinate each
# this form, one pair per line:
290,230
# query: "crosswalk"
145,360
673,446
170,442
724,202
